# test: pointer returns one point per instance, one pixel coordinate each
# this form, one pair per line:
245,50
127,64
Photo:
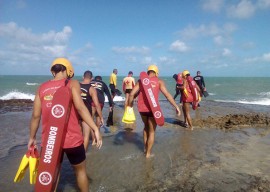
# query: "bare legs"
148,134
81,176
126,100
187,117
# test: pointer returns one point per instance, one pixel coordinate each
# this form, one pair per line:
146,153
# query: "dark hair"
175,76
98,78
151,71
130,72
88,74
58,68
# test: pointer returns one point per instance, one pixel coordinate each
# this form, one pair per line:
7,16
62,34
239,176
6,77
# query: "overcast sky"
217,37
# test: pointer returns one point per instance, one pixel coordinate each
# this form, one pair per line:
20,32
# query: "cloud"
22,48
207,30
132,49
147,60
264,58
179,46
226,52
263,4
213,5
131,59
248,45
167,61
21,42
84,49
15,34
244,9
219,40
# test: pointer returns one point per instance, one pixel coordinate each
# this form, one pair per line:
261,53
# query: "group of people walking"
86,110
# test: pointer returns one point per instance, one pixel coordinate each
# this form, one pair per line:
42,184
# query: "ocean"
205,159
246,90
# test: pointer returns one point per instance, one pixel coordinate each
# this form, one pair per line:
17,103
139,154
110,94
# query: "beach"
228,150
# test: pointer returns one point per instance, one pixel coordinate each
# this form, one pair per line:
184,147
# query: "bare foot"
149,156
189,128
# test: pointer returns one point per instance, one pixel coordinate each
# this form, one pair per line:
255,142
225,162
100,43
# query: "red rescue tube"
194,91
49,164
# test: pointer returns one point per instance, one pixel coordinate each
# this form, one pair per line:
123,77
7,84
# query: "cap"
66,63
153,68
185,72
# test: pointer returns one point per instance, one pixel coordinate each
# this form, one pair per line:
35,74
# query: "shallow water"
206,159
199,160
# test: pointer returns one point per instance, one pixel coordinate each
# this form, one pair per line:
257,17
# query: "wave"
116,98
20,95
31,84
17,95
257,102
264,94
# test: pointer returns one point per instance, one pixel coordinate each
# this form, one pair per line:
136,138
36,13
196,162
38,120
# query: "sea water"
182,158
246,90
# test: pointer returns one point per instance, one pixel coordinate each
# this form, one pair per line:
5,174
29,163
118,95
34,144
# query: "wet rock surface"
234,121
15,105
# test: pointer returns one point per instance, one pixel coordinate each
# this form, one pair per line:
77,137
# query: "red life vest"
191,93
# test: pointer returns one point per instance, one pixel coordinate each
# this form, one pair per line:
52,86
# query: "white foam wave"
31,84
116,98
17,95
212,94
264,93
20,95
258,102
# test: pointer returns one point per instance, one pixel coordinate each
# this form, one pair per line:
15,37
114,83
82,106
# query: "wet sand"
228,150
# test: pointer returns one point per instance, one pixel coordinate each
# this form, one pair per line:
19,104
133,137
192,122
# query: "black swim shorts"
147,114
128,90
75,155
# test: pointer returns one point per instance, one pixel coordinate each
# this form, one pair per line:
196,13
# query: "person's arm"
107,92
93,94
83,111
132,94
35,120
115,81
133,83
203,83
124,85
169,97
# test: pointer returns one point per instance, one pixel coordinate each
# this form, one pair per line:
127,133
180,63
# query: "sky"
221,38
